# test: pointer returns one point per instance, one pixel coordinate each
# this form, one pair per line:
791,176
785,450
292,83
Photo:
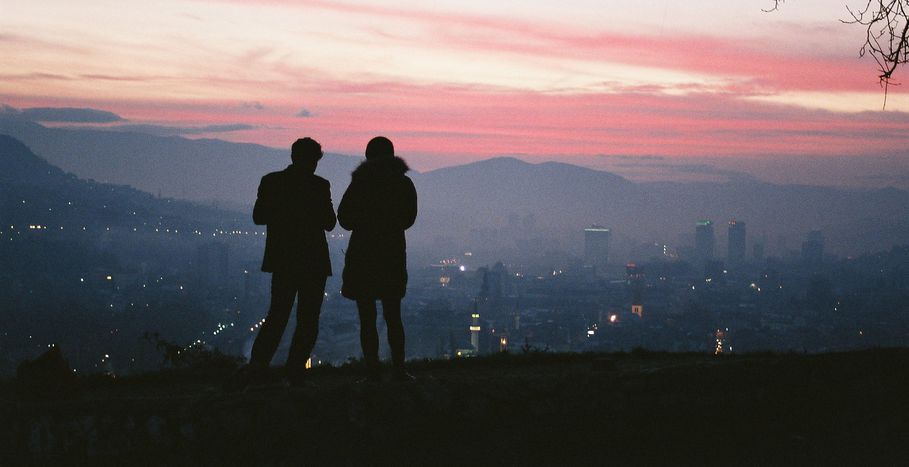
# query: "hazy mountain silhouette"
198,170
560,198
564,199
484,194
56,197
19,165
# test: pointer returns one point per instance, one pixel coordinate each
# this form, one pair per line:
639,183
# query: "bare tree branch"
887,34
886,25
776,6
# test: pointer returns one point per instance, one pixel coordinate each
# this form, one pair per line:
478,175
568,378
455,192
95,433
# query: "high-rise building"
704,240
475,330
813,248
736,241
494,282
596,247
636,282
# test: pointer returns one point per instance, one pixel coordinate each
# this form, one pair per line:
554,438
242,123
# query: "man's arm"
263,211
328,210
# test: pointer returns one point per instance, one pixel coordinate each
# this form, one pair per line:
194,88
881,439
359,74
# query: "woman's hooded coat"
378,206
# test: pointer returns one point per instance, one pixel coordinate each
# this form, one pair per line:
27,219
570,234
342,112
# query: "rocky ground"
535,409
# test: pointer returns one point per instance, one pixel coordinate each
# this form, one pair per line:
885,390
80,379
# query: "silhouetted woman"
378,206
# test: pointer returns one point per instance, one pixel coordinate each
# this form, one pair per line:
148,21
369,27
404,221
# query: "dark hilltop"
537,408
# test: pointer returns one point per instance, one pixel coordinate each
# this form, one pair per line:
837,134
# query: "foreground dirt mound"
837,409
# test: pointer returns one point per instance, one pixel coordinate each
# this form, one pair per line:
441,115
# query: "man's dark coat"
296,206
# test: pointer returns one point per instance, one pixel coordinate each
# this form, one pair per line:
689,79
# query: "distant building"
704,240
813,248
736,243
636,281
475,330
633,273
596,247
494,283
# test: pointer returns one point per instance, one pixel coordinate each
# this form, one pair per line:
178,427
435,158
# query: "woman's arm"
350,209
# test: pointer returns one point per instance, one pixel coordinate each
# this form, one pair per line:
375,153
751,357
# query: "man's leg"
369,337
283,291
391,310
309,306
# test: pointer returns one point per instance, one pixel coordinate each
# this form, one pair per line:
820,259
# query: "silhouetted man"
295,205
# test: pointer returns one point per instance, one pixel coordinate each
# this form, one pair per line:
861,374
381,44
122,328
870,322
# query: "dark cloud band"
68,115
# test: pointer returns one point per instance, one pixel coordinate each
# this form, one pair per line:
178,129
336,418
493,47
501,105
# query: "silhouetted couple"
295,205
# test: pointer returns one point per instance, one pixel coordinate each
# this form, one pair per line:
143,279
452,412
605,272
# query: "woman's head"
380,147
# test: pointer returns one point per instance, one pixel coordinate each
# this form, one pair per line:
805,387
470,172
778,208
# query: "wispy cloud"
165,130
685,168
450,81
757,65
252,105
63,114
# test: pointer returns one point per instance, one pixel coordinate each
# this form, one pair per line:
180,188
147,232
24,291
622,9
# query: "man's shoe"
246,375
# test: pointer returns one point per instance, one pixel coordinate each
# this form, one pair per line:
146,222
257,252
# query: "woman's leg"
369,337
391,310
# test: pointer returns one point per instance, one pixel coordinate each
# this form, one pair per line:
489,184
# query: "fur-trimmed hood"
373,168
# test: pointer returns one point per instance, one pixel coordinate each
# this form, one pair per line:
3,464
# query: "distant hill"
198,170
554,201
32,191
562,199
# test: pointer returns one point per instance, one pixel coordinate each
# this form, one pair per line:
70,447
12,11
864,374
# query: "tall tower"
736,242
635,280
475,330
704,240
596,247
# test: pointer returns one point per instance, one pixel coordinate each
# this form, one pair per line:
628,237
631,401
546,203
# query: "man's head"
380,147
306,152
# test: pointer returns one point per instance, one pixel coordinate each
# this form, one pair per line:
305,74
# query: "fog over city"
116,241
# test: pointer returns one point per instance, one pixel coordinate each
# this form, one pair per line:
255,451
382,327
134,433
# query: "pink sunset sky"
452,82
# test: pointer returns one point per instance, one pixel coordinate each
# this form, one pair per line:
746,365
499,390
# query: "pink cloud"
485,123
446,124
760,65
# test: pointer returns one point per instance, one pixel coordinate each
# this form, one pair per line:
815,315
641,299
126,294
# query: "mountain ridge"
463,204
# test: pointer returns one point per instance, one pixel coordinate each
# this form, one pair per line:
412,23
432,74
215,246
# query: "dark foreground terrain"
537,409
